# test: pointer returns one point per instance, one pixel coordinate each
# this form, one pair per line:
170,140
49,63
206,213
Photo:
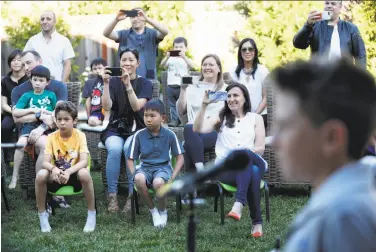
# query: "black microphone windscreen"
237,160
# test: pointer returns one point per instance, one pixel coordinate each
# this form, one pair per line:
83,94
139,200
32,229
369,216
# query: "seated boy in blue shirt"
152,146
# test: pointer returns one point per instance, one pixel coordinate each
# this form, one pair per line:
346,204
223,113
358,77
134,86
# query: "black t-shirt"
7,85
94,88
142,87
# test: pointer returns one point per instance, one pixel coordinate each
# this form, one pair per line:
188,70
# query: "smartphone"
186,80
115,71
218,95
174,53
326,15
130,13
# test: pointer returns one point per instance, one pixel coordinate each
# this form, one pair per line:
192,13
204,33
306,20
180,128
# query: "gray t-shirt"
147,46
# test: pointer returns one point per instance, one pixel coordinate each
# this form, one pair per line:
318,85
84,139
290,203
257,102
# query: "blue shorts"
28,127
151,173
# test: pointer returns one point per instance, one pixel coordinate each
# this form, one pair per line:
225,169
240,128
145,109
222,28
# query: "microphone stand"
191,226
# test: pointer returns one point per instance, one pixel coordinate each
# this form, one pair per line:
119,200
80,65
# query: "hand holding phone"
217,96
130,13
326,15
115,71
174,53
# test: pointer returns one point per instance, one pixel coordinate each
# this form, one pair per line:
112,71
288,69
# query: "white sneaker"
44,224
90,222
157,221
163,215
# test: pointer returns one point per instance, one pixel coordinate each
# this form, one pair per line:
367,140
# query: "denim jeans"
115,147
195,145
248,182
173,95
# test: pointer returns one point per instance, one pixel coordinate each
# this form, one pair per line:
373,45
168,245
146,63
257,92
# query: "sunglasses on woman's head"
249,49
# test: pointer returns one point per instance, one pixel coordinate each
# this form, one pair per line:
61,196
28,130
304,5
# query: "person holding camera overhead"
139,37
125,96
327,34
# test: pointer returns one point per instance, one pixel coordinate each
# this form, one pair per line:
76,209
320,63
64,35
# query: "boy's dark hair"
41,71
134,51
180,40
98,61
335,90
13,55
68,107
155,105
35,53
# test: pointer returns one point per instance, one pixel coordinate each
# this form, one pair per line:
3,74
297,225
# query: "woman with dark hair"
238,128
251,73
15,77
125,96
189,104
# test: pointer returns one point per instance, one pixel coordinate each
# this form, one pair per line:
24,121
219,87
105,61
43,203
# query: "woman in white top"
238,128
251,73
189,104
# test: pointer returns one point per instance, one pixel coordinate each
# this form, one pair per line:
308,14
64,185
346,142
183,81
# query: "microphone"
236,160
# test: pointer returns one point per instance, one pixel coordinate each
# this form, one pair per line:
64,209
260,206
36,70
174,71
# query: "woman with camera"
238,128
252,74
189,104
125,96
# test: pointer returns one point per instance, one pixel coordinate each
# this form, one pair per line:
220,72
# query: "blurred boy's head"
40,78
97,66
325,114
66,116
154,114
180,43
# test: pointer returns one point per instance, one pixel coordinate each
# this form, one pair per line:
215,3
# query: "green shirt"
45,100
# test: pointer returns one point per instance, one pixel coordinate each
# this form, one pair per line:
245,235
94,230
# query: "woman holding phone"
252,74
125,96
188,106
238,128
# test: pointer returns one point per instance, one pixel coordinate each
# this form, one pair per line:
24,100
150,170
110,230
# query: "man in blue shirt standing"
325,114
145,40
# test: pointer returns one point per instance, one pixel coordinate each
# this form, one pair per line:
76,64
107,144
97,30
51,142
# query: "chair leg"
133,214
135,194
216,203
3,193
221,203
267,203
178,208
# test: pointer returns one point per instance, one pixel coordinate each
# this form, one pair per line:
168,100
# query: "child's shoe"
163,215
91,221
157,221
44,224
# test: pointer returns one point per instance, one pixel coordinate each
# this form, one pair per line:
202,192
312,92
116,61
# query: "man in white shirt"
55,49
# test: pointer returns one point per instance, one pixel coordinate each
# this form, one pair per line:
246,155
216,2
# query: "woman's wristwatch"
129,90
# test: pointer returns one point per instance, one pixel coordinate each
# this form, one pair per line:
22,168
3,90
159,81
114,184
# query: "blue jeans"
173,95
115,147
195,145
248,182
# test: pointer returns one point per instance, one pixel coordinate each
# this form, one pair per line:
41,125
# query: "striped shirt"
154,151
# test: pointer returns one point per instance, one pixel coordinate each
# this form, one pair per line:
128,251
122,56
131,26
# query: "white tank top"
241,136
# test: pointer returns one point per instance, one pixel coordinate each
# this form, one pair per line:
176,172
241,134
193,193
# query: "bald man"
55,49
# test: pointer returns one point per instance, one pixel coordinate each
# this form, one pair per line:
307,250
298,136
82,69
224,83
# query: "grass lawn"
20,230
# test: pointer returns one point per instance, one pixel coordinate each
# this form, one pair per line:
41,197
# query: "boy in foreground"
152,146
65,163
325,114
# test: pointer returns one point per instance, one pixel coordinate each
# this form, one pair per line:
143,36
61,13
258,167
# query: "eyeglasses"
249,49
